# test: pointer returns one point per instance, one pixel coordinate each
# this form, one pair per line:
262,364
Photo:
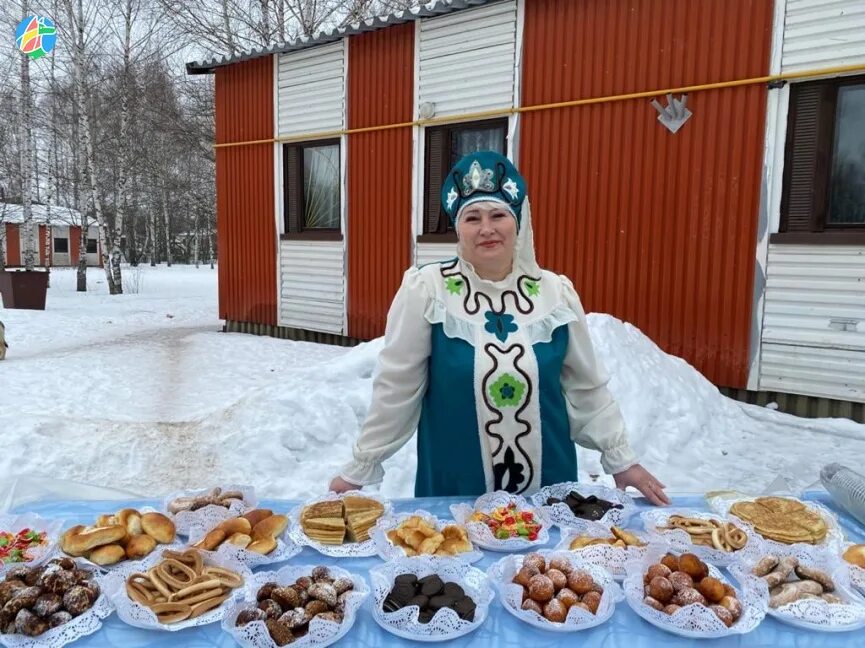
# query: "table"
501,630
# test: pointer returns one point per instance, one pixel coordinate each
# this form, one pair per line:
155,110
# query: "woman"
490,359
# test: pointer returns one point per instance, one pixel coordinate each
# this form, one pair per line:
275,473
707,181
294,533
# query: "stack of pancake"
783,520
338,521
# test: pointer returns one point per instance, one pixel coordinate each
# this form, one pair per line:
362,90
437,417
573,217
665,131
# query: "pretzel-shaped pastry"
181,587
723,536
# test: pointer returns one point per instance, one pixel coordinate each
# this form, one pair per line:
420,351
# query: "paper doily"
321,632
608,557
389,551
695,621
480,534
139,616
345,550
446,624
562,516
211,515
681,541
857,574
502,573
80,626
812,614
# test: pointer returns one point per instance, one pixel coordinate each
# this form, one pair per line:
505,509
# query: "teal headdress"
485,175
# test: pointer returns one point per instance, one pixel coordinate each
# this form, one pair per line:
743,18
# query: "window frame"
54,240
444,232
819,230
292,192
87,245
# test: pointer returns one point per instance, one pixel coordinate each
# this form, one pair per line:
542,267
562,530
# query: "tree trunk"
280,20
264,25
229,34
196,234
165,220
26,158
82,257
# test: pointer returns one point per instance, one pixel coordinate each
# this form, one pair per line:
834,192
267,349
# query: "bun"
272,526
236,525
159,527
139,546
257,515
131,519
107,555
78,540
211,541
262,546
241,540
855,555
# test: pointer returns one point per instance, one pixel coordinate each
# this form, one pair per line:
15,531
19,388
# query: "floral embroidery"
454,285
533,288
507,391
500,325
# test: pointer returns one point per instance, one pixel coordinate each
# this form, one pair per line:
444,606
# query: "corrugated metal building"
330,152
58,236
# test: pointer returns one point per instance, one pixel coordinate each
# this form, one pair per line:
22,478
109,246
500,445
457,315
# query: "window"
91,246
61,245
824,169
311,177
445,145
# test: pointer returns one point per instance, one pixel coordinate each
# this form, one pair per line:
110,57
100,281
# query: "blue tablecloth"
501,629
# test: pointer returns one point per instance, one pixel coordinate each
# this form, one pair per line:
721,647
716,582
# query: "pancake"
783,520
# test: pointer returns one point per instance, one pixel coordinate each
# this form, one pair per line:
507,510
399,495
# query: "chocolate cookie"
250,615
47,604
77,600
29,624
465,608
59,618
271,608
420,600
431,585
436,603
411,579
454,590
264,592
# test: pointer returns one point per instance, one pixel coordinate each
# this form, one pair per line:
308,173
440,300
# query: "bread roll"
855,555
78,540
139,546
106,520
211,541
272,527
131,519
241,540
158,527
257,515
236,525
107,554
262,546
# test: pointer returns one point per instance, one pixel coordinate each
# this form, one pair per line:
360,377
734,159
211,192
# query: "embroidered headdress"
485,175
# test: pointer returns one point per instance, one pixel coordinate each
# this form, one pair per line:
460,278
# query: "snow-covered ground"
142,392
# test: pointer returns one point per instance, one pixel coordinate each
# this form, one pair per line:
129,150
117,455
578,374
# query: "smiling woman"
489,358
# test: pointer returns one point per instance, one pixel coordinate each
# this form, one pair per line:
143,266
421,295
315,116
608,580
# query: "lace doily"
561,515
80,626
480,534
286,548
813,614
321,632
502,574
856,573
211,515
345,550
695,621
834,535
15,523
389,551
681,541
606,556
139,616
445,624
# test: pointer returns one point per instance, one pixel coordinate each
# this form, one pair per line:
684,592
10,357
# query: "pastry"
260,537
128,534
782,519
784,588
550,592
713,533
324,522
430,594
417,536
361,514
855,555
216,497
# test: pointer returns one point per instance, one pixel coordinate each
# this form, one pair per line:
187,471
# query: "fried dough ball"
534,606
525,575
555,611
567,597
652,603
693,566
712,589
655,571
680,580
732,604
661,589
593,601
671,562
688,596
541,588
723,614
580,582
558,578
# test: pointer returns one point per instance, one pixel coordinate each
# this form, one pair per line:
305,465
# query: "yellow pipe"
784,76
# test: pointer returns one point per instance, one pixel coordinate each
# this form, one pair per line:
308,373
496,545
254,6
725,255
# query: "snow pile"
139,392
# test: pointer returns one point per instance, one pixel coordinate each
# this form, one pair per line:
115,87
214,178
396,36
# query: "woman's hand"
339,485
643,481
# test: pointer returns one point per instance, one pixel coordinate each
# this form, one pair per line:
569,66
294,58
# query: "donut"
558,578
534,606
555,611
568,597
593,601
525,575
733,605
688,596
723,614
712,589
562,564
671,562
693,566
580,582
661,589
541,588
655,571
680,580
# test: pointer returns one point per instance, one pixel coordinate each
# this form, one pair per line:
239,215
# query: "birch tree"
26,156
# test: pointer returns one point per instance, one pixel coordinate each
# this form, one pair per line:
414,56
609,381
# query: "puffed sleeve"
596,422
399,385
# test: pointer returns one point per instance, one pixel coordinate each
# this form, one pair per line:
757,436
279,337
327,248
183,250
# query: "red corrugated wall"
43,239
13,245
74,244
380,91
655,228
245,193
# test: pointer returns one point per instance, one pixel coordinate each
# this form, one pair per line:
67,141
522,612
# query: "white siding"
823,33
311,90
93,257
312,285
432,252
60,258
813,339
466,60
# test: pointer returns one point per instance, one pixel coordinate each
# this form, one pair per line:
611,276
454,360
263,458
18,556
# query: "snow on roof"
435,8
12,213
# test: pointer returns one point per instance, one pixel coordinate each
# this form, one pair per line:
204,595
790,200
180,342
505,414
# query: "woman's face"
488,234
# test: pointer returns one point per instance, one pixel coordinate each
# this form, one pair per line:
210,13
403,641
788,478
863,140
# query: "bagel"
158,527
78,540
107,554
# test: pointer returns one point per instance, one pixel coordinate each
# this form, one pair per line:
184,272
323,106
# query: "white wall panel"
312,285
311,90
823,33
432,252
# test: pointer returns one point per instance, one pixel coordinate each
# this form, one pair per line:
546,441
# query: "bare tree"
26,169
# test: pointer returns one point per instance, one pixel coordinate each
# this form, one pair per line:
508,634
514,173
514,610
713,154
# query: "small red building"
641,127
59,236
